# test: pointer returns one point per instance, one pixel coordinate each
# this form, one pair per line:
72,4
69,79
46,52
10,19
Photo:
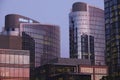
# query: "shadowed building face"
112,34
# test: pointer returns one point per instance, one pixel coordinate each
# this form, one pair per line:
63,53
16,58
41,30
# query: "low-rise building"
14,64
60,72
72,76
65,68
97,72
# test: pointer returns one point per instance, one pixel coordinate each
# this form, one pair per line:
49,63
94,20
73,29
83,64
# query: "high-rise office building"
87,33
47,41
22,33
112,34
46,37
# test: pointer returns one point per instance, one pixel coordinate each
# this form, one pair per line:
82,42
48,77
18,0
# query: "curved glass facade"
42,40
87,34
47,41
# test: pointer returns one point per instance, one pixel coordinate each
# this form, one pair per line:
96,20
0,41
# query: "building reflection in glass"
47,41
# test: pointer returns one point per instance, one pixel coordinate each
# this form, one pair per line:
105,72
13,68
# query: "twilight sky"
46,12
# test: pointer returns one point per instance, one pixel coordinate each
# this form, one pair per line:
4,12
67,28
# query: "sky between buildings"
46,12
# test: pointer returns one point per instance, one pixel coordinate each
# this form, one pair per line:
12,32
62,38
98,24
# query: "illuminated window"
86,70
100,70
119,6
60,78
98,77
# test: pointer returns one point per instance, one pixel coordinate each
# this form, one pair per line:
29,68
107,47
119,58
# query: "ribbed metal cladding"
79,6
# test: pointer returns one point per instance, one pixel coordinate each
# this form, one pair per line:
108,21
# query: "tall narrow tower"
87,33
112,33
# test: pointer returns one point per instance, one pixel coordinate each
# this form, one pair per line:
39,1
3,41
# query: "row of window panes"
36,31
99,36
96,47
93,10
96,20
97,27
78,14
38,49
115,13
99,57
99,52
41,50
96,23
10,52
100,70
97,31
14,59
114,19
81,18
99,49
14,72
99,40
113,2
114,7
94,28
86,70
80,23
97,70
38,55
100,13
38,36
92,32
107,4
99,45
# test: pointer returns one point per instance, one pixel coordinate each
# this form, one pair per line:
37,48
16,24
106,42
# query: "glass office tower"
112,33
87,33
46,38
42,40
47,41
